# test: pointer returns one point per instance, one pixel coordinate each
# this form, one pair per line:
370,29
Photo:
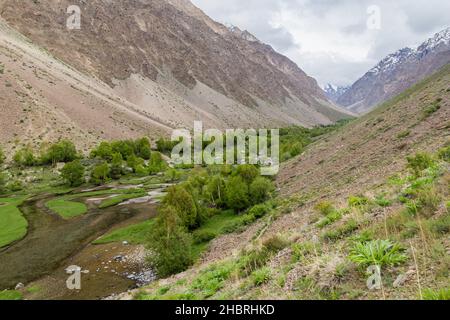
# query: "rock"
19,286
125,243
400,281
118,258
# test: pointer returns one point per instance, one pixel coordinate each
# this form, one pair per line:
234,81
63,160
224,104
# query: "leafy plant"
377,252
442,294
261,276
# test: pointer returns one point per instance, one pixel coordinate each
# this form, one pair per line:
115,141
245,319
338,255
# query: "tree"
182,201
2,156
156,163
260,190
24,157
100,174
134,162
248,172
116,166
169,244
2,182
125,148
214,191
143,148
73,173
63,151
237,197
103,151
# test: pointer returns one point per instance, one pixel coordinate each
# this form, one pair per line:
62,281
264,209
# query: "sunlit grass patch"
67,209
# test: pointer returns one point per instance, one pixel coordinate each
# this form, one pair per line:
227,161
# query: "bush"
103,151
202,236
73,173
253,260
100,174
3,178
377,252
24,157
169,244
357,201
142,148
260,190
2,156
116,166
15,186
259,211
325,208
420,162
247,172
156,163
261,276
444,154
237,197
275,244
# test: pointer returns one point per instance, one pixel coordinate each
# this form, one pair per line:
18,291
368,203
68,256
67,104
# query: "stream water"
53,243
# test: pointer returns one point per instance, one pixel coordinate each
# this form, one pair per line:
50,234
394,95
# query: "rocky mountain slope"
397,72
359,174
165,61
334,93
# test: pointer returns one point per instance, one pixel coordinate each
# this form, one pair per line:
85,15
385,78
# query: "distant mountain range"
394,74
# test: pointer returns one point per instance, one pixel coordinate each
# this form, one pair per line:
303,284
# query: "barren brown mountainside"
169,63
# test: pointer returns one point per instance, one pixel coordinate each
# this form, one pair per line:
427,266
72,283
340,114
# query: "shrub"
302,250
275,244
357,201
202,236
2,182
73,173
142,148
260,190
420,162
237,197
103,151
428,111
444,154
259,210
253,260
24,157
325,208
441,294
2,156
377,252
329,219
247,172
382,201
15,186
261,276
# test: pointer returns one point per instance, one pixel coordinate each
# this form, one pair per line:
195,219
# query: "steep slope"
397,72
297,255
175,64
44,99
334,93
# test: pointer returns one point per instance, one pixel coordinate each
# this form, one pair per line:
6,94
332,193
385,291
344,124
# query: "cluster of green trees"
293,140
62,151
114,160
190,204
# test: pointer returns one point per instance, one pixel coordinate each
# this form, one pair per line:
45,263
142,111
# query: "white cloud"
329,39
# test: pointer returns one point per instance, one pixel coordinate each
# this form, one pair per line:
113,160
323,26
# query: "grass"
10,295
134,234
67,209
110,202
13,226
442,294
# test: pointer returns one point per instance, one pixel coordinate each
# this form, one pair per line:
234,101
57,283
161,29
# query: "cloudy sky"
335,41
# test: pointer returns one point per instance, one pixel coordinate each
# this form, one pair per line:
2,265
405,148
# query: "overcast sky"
330,39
